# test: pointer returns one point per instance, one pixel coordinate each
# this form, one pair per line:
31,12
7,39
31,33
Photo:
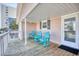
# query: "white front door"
69,36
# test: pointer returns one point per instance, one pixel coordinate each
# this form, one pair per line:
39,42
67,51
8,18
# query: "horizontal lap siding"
31,26
56,29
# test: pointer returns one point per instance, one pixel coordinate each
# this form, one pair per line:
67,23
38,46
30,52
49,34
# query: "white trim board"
71,44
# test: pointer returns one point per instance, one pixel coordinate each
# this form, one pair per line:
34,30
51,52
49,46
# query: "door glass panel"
69,29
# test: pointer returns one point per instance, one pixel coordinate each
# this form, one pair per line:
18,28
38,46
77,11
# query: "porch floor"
18,48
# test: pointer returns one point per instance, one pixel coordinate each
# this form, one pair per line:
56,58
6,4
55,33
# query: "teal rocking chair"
45,40
38,36
32,34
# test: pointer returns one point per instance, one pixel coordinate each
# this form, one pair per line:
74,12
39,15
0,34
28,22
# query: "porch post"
20,30
25,32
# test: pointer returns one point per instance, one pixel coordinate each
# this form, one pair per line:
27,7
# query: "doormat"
69,49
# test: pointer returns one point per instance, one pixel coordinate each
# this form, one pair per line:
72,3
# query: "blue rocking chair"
45,40
38,36
32,34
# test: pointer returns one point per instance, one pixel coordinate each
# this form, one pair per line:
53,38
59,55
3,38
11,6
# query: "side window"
40,25
48,24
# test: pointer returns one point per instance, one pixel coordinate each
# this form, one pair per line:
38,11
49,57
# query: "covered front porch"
50,18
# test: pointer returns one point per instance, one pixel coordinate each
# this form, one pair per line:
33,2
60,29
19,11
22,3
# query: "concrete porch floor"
18,48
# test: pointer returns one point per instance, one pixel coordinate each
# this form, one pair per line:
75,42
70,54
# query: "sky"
14,5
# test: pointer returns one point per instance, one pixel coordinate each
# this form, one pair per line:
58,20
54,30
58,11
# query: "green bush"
13,26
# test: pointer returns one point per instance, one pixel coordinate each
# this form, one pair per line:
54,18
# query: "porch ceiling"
44,10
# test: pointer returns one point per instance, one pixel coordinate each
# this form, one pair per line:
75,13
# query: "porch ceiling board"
44,10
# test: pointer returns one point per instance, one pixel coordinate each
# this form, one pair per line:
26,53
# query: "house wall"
55,29
31,26
38,26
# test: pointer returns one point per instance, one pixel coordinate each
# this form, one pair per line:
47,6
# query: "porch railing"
4,38
13,34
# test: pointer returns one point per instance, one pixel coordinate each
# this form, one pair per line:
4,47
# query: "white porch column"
20,31
25,32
